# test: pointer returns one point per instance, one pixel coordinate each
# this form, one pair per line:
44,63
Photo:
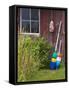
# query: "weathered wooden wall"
45,17
56,15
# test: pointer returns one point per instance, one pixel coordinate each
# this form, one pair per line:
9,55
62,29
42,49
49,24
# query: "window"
29,20
35,27
25,14
25,26
34,14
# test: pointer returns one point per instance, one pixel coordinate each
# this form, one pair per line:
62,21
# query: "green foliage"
44,52
33,54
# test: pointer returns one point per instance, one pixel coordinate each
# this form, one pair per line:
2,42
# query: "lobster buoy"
54,55
58,59
60,55
57,64
52,65
53,60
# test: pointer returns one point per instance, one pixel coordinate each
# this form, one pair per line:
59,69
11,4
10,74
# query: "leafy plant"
33,54
44,53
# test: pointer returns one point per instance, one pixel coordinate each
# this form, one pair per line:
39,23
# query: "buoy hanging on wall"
51,26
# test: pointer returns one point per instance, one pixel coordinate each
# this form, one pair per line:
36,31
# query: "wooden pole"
59,46
58,35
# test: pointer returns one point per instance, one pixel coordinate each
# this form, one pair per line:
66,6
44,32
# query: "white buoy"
58,59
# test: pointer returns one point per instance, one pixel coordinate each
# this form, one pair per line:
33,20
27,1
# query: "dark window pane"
25,27
34,14
25,14
34,27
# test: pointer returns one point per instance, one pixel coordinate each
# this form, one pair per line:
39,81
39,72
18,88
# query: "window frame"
29,33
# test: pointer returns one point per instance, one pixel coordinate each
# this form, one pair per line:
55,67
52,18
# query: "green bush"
20,60
33,54
44,53
27,57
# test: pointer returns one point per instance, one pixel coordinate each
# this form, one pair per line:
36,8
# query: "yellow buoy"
53,60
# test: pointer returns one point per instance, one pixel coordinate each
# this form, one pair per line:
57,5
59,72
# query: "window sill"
34,34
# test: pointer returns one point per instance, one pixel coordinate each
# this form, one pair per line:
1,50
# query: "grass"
48,74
